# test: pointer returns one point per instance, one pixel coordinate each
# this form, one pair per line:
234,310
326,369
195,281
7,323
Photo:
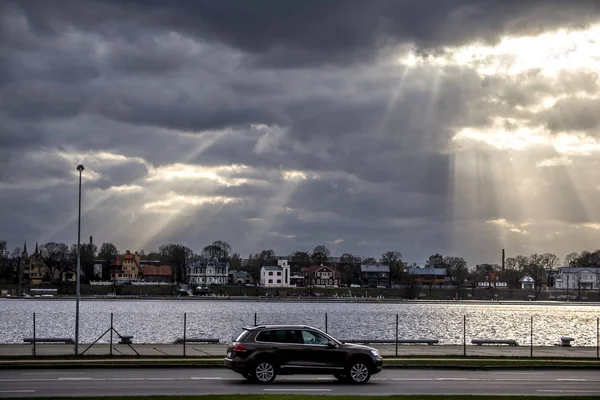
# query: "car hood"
357,346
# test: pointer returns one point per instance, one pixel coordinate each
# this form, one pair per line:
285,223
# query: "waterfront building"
207,271
275,275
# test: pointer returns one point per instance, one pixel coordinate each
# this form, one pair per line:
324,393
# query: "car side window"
273,336
293,337
311,337
265,336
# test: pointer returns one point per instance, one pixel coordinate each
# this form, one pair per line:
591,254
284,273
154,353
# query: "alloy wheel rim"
264,372
359,372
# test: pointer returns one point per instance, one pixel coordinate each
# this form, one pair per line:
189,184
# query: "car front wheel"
264,372
358,372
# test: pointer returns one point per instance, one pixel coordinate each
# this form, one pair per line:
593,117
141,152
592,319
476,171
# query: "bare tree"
176,255
108,252
56,257
350,268
218,249
571,259
535,269
393,259
457,271
320,255
550,263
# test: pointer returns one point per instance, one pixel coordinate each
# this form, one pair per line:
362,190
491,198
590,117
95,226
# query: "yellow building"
127,269
34,269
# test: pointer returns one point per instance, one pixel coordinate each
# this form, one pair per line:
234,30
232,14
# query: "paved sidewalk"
219,350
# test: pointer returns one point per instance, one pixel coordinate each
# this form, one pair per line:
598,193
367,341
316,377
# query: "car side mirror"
331,345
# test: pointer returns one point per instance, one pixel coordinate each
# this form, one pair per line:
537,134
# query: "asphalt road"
185,381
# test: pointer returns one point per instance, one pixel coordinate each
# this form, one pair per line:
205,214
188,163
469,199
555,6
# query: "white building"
527,282
275,275
207,272
577,278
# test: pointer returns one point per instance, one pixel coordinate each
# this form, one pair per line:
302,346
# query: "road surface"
189,381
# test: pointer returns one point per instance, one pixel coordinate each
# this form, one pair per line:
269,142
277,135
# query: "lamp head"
80,168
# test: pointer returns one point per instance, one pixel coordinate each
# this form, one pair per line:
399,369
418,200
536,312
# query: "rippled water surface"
162,321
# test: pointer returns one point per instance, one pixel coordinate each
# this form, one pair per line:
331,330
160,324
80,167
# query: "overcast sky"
458,127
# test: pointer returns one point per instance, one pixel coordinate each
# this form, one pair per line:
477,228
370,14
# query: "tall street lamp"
80,168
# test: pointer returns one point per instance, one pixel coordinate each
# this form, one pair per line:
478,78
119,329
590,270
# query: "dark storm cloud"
123,173
21,168
574,114
43,100
278,87
313,31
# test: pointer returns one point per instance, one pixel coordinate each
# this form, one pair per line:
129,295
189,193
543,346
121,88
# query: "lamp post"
80,168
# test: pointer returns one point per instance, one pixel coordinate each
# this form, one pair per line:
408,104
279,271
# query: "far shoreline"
311,300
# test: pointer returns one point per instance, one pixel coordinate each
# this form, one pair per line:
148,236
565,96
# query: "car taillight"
239,348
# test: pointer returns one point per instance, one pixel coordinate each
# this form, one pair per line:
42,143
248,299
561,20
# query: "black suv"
261,352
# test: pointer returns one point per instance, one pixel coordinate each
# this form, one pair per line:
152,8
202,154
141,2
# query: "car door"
317,353
280,342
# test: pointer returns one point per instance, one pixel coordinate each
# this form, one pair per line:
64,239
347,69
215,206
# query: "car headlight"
375,353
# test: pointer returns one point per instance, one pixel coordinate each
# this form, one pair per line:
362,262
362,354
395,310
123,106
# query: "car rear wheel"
264,372
358,372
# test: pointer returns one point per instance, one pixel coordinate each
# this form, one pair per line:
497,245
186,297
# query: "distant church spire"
36,252
24,249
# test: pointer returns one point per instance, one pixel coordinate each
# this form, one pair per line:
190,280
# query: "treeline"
60,257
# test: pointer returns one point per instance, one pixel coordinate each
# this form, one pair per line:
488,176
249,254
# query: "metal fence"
535,335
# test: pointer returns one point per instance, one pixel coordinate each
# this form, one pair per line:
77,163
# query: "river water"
162,321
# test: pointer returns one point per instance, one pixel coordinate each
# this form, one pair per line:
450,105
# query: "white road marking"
53,373
412,379
570,380
456,379
75,379
164,379
568,391
512,380
517,373
297,390
17,391
210,378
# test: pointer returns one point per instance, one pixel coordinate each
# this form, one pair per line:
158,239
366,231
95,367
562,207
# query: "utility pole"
80,168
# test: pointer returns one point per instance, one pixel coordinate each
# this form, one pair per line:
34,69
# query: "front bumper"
378,365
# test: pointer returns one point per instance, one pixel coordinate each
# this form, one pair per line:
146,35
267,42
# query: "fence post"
464,335
111,334
255,319
184,329
396,335
325,322
531,339
34,334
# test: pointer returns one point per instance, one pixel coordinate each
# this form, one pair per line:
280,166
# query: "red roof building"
321,275
157,273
